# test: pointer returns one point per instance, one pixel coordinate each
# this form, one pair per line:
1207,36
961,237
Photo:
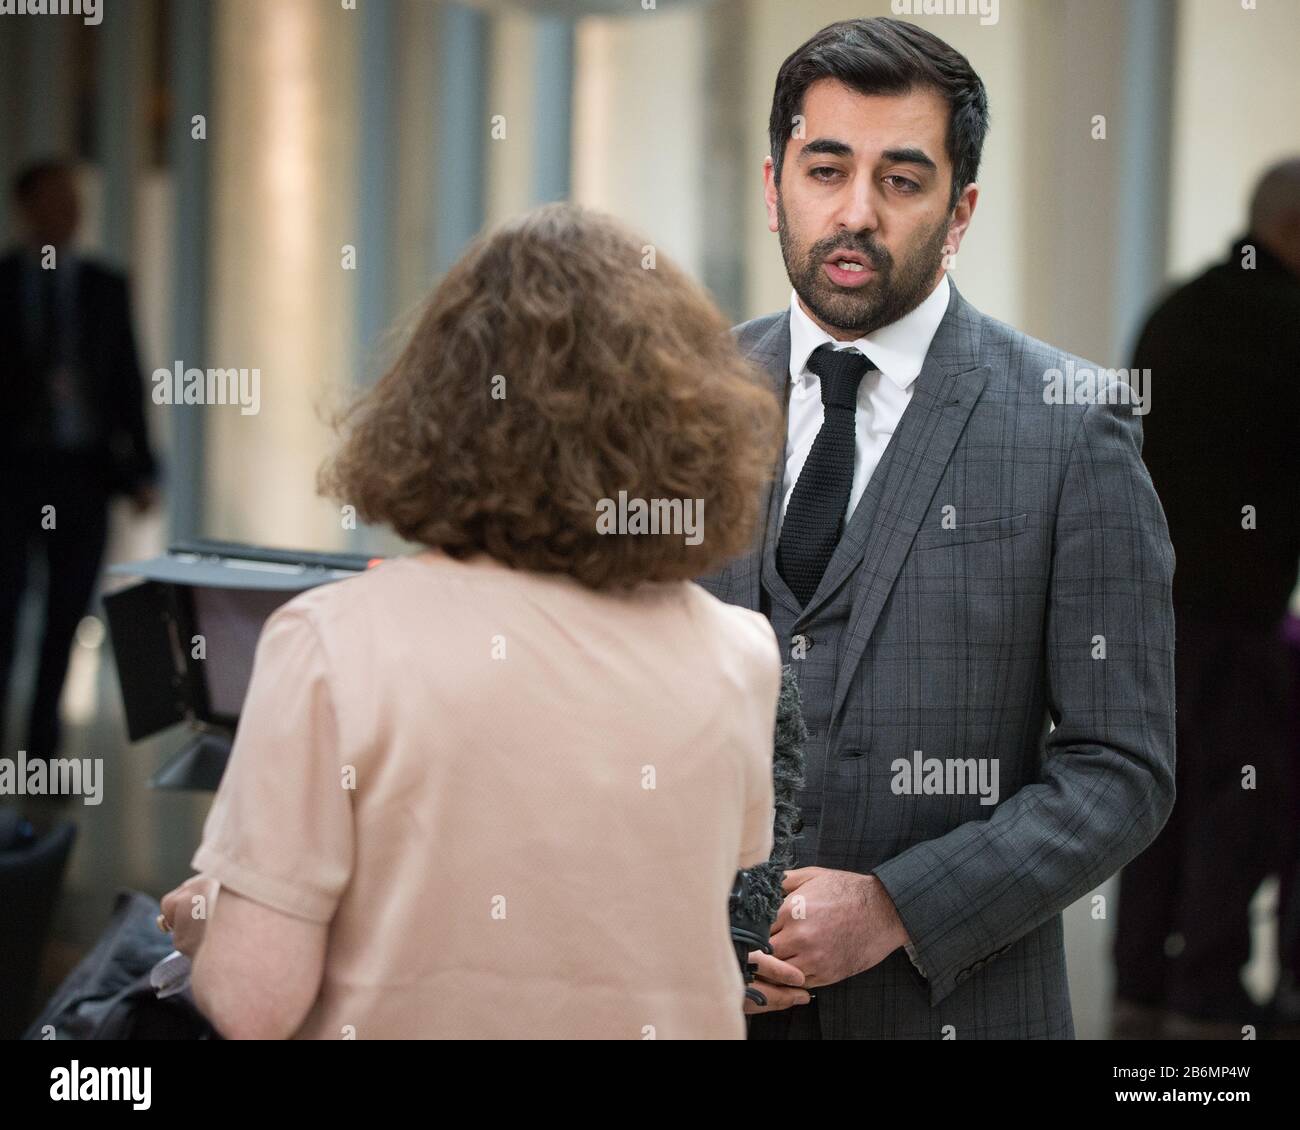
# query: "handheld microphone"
756,896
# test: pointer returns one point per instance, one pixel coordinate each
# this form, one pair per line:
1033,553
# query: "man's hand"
779,981
180,913
834,924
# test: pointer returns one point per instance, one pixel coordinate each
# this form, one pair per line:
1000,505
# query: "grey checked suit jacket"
1048,602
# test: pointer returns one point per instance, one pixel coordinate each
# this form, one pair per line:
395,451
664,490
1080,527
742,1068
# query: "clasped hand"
831,925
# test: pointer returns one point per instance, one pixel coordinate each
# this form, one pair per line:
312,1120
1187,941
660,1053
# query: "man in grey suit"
965,562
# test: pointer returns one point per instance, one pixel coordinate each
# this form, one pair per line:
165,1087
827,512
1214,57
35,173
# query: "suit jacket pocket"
936,537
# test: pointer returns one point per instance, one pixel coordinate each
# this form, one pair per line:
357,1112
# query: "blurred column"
1148,38
376,199
553,99
639,129
462,130
284,139
377,43
528,113
172,822
512,112
47,86
123,67
731,172
417,156
190,79
1096,229
10,88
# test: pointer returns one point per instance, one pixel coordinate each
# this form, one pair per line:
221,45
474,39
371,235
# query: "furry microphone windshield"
756,896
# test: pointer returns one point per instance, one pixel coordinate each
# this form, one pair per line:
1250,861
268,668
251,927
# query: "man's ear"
770,193
962,215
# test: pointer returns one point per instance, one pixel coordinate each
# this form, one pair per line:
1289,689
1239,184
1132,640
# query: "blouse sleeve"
280,831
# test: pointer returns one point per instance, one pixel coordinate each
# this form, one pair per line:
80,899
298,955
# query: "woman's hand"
186,918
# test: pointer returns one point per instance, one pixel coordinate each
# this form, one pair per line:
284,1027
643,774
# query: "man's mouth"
848,268
849,260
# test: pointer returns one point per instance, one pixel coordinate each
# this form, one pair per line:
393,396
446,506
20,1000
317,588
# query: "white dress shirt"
898,351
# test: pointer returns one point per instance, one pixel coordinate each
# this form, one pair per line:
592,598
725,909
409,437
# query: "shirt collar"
898,350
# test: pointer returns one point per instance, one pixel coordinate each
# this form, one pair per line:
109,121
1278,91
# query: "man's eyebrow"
826,146
832,147
909,156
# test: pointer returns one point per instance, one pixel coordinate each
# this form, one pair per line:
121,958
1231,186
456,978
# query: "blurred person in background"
1223,448
501,787
72,432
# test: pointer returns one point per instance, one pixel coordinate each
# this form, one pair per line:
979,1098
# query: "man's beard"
882,300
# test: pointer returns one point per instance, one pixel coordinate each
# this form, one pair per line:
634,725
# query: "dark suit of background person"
1224,355
73,431
966,643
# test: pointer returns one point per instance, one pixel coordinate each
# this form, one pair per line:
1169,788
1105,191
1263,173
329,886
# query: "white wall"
1237,112
638,136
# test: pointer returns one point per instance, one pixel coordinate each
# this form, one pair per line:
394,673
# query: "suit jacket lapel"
772,354
949,384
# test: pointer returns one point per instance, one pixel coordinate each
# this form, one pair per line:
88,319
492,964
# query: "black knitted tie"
814,518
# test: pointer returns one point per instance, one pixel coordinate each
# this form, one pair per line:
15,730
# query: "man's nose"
857,210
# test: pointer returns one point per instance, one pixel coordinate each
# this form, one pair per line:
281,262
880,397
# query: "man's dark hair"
884,56
28,181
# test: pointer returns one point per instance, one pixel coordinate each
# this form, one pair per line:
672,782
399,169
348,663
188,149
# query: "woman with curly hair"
500,787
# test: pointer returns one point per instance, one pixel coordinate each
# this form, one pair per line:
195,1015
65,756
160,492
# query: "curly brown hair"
556,365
